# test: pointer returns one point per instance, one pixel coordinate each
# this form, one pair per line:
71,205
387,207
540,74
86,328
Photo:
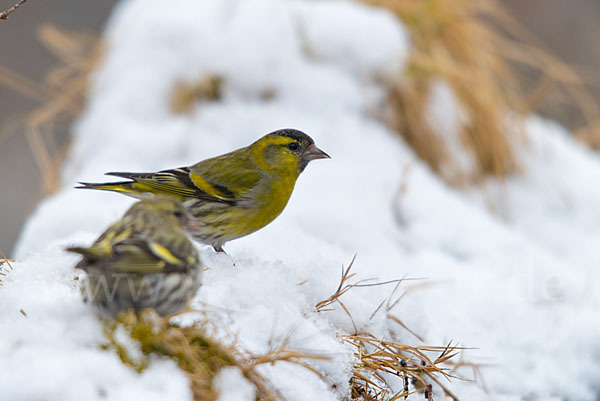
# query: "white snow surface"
518,285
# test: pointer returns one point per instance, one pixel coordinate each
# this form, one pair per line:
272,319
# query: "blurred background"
49,49
25,62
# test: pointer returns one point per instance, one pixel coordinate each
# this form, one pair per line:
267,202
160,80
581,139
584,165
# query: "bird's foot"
188,308
219,248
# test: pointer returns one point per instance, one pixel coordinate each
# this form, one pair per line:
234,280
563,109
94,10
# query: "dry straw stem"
345,286
4,260
61,94
554,75
199,355
461,43
377,358
451,42
532,53
387,305
282,352
5,14
191,349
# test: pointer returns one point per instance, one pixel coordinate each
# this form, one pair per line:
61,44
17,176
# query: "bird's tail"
90,253
130,188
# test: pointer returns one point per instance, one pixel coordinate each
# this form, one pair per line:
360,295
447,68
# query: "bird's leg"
188,308
219,248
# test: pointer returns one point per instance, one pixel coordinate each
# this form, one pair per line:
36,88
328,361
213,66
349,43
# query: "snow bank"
519,288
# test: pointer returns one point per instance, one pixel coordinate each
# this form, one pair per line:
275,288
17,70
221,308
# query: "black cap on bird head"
294,134
303,145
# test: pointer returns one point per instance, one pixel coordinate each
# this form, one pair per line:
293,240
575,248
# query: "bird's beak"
313,153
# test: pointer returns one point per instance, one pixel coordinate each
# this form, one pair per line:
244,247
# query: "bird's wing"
136,244
179,183
138,255
229,177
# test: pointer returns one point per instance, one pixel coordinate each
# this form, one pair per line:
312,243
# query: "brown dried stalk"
341,290
281,351
62,94
344,287
3,260
473,46
389,304
199,355
377,358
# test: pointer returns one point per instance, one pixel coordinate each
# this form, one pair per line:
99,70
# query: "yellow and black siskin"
144,260
234,194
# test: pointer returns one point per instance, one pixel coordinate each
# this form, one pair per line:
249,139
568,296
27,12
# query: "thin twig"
5,14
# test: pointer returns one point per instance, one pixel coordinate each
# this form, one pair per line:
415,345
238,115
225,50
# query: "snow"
233,386
53,352
518,284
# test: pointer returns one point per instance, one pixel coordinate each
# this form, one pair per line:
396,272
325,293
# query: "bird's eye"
293,146
178,214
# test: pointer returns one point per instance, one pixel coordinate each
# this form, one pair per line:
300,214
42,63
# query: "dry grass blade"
553,71
470,44
453,43
4,260
23,85
388,304
377,358
191,349
343,287
79,54
285,354
62,94
199,355
405,327
281,351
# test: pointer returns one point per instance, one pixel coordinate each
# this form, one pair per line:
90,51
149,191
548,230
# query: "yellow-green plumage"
234,194
144,260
